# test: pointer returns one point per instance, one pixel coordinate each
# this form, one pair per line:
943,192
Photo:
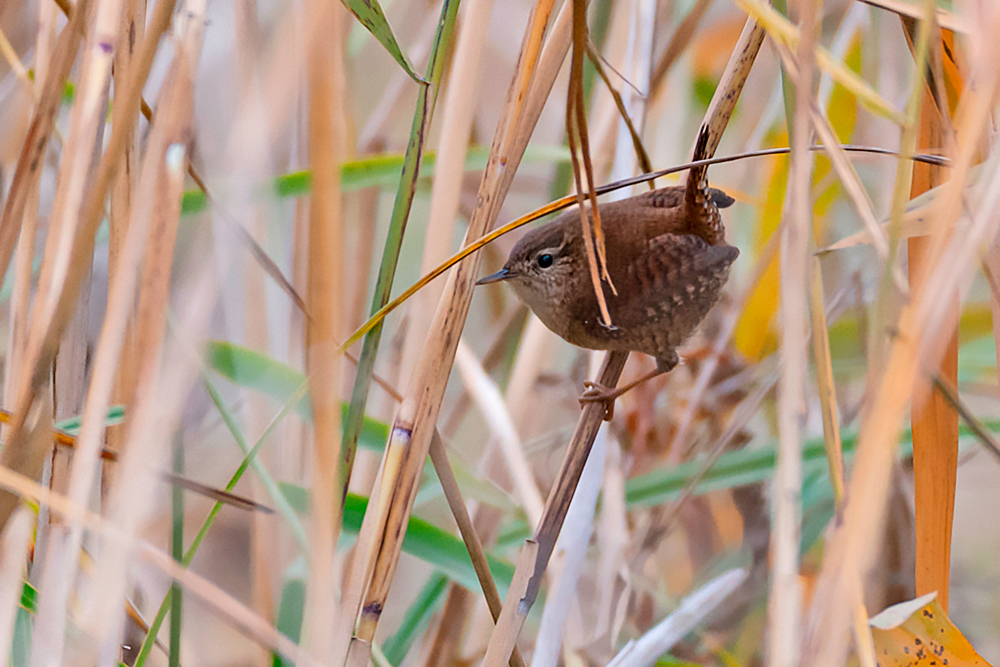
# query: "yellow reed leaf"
918,633
755,336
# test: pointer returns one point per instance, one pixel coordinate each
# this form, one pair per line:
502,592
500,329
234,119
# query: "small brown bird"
668,261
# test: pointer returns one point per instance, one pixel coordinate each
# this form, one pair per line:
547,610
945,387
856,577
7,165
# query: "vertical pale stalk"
459,108
637,66
824,380
25,252
24,258
75,171
69,250
75,174
158,199
48,98
324,295
263,549
570,552
612,539
130,33
161,393
785,601
79,157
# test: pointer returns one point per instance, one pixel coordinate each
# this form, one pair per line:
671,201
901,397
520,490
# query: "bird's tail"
701,210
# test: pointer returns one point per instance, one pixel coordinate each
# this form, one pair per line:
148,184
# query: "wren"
668,261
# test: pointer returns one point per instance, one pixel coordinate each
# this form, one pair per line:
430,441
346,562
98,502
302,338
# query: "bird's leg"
596,392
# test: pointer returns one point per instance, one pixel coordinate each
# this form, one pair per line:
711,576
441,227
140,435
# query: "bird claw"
598,393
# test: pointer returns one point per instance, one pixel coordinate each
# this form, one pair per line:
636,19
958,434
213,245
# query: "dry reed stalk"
560,496
527,362
380,539
865,645
991,268
628,151
32,156
159,399
851,181
935,421
491,405
130,34
25,251
579,150
720,109
156,211
69,251
535,554
824,381
325,294
76,171
644,651
632,105
69,376
942,17
570,553
612,538
79,151
263,547
474,546
20,71
509,625
442,644
459,109
785,599
923,331
45,45
118,536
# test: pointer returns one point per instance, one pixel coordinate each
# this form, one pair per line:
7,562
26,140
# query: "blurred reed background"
203,200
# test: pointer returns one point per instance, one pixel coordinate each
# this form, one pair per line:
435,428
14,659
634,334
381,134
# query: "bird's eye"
545,260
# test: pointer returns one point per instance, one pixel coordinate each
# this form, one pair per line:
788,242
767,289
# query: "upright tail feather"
700,209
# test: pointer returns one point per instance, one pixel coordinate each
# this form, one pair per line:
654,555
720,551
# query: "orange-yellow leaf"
755,336
918,633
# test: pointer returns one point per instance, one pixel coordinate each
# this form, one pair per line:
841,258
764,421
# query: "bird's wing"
676,272
669,197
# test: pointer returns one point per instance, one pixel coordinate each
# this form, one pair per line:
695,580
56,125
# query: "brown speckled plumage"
667,258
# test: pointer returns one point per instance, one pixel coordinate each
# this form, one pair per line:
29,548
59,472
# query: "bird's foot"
598,393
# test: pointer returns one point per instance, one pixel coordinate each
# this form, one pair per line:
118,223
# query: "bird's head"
540,265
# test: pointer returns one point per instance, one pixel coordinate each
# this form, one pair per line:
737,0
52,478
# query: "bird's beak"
502,274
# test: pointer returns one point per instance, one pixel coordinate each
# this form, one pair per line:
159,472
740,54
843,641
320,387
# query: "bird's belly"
655,327
656,324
